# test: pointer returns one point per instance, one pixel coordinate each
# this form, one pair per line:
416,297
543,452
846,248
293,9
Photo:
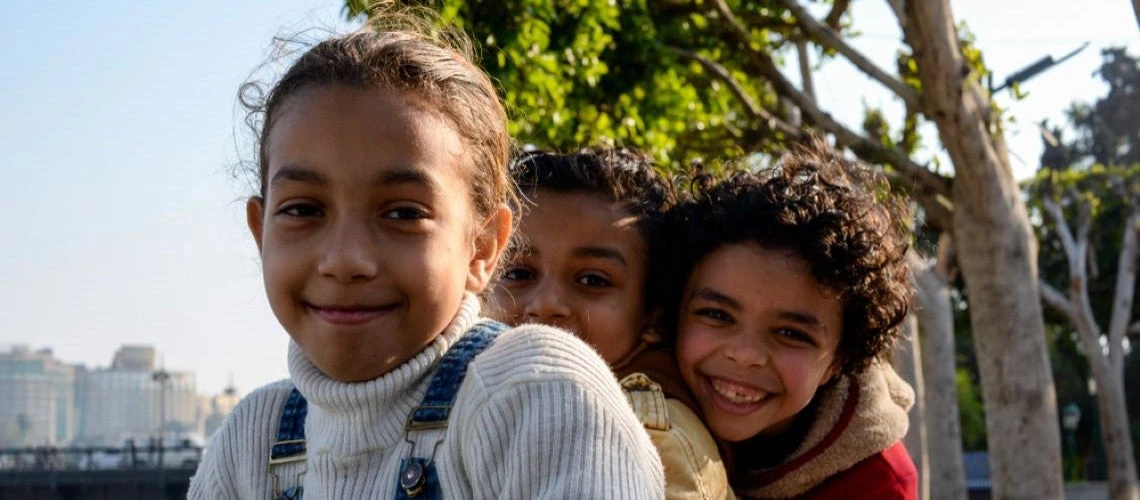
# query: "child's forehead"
578,219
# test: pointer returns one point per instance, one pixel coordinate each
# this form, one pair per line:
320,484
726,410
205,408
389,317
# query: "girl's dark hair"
401,50
837,215
625,176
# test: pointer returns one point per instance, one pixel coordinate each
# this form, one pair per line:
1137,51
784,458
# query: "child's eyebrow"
715,296
601,253
297,174
405,175
806,319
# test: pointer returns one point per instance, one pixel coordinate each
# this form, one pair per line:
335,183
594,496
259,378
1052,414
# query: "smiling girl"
382,213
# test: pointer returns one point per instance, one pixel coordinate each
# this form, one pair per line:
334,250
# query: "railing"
129,457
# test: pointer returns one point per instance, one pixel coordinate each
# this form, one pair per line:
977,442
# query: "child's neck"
765,451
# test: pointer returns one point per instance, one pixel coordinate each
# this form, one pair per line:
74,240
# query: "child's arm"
547,419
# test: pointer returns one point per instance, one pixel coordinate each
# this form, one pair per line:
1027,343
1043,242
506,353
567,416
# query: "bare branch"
1056,300
1125,290
830,39
900,13
1136,9
928,188
771,121
1062,226
837,9
805,69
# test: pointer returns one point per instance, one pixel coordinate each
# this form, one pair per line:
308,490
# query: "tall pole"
161,376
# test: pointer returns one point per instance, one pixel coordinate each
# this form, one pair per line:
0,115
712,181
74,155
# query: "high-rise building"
132,397
37,398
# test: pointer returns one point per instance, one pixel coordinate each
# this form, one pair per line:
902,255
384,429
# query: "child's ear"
255,218
490,241
832,371
650,333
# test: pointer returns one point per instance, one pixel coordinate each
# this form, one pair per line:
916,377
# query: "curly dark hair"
624,175
837,215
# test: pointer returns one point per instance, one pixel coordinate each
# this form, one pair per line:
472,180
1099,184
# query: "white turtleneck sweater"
539,415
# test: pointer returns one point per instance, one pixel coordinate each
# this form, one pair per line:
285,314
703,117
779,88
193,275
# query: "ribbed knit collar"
349,418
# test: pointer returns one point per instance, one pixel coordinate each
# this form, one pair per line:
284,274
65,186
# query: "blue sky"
119,132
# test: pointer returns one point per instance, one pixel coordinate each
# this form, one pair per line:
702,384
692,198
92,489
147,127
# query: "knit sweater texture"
539,415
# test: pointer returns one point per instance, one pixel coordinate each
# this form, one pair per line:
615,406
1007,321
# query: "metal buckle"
413,425
286,460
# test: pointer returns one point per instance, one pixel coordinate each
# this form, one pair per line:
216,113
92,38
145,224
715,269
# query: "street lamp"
1070,420
162,377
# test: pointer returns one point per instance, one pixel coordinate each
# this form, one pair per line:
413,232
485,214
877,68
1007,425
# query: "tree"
703,78
1066,196
1089,231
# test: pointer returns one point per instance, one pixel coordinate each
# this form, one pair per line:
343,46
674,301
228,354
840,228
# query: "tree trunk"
943,430
1136,9
907,361
1122,484
998,260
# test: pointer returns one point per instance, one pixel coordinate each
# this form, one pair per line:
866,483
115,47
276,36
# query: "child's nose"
748,350
348,254
546,303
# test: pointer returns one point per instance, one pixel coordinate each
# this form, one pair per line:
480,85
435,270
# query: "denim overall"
418,478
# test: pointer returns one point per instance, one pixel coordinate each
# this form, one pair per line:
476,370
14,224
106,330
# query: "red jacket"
853,449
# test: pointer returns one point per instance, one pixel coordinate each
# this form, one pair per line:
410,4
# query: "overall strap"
418,477
290,444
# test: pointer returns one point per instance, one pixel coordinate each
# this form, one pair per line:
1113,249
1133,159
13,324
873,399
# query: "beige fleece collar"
856,418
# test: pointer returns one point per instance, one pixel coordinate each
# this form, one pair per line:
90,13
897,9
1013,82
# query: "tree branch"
1125,290
1136,9
1134,330
1068,244
830,39
838,8
771,121
928,188
1056,300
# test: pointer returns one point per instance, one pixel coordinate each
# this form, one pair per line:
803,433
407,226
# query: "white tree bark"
1107,367
943,430
998,259
908,363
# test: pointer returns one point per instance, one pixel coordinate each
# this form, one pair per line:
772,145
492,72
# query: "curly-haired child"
789,285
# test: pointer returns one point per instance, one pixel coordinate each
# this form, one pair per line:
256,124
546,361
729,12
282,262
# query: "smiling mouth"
350,315
736,398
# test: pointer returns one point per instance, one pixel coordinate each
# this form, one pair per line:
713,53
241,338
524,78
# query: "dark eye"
517,274
795,336
301,210
714,314
593,280
405,213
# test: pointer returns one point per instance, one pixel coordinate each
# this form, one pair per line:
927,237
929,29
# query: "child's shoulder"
536,351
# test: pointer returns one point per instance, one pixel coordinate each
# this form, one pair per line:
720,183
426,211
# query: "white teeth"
736,393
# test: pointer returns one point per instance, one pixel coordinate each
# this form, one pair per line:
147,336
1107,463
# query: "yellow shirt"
693,467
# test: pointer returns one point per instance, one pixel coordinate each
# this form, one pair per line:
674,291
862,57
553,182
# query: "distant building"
125,399
142,358
37,398
217,408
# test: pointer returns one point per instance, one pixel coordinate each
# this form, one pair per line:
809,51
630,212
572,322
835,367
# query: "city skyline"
51,401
